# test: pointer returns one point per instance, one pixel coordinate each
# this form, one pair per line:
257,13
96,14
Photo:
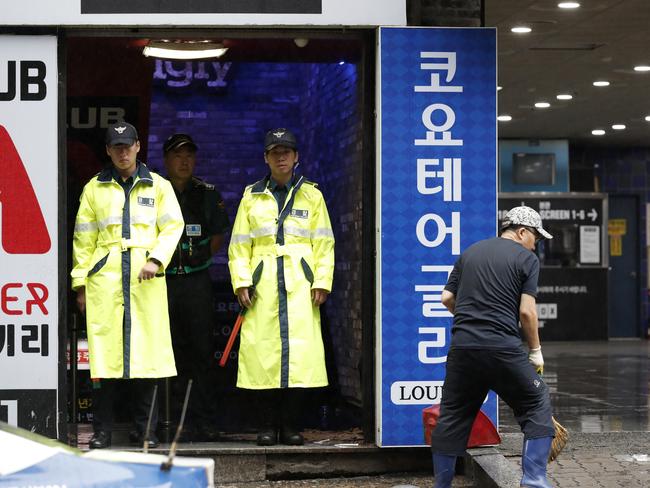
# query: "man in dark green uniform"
189,287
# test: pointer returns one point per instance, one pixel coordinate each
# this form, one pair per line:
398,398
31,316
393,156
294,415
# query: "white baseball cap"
527,217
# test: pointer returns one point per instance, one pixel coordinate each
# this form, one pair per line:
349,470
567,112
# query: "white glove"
536,359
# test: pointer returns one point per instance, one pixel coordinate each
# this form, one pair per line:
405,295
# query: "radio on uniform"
193,230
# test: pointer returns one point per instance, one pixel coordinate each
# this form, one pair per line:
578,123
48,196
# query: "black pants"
141,395
191,314
280,408
471,373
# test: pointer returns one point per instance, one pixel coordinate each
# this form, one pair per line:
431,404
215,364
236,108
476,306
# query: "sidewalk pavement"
591,460
395,480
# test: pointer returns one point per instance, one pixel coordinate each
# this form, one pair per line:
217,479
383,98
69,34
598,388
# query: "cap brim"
543,233
283,144
181,144
129,141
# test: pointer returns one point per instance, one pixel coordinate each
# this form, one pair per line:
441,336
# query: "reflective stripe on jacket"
281,344
127,320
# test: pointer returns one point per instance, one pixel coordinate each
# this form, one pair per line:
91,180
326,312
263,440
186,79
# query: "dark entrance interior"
323,92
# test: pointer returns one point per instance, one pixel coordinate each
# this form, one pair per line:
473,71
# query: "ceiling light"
568,5
564,96
520,29
647,118
601,83
504,118
598,132
618,126
499,88
184,49
542,105
642,68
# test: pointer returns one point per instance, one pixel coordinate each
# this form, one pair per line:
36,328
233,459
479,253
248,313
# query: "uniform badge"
301,214
193,230
147,202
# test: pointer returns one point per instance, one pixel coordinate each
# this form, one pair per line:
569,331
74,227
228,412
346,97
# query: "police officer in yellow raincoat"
127,228
282,245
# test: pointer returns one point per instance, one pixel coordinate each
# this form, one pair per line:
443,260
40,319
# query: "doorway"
624,290
320,91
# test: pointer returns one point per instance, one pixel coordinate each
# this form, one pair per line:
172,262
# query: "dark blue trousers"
471,373
141,394
192,323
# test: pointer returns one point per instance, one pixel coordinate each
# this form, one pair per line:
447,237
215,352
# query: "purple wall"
319,102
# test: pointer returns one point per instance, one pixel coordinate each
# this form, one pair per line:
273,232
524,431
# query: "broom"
561,434
559,441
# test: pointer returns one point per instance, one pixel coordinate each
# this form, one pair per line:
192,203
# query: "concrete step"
245,462
326,459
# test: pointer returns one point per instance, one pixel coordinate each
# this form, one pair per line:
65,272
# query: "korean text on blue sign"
438,194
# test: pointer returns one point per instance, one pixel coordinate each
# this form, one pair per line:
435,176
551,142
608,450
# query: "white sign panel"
28,225
589,244
205,12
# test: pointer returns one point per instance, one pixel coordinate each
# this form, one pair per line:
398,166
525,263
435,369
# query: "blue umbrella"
27,459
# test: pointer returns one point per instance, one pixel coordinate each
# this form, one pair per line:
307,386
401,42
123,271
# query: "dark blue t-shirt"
488,280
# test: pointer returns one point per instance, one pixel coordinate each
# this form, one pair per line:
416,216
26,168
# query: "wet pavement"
594,460
600,393
596,386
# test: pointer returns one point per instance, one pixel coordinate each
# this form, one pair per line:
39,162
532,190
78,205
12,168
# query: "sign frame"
400,360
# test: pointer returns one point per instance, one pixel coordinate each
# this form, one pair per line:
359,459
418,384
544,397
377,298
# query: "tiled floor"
599,391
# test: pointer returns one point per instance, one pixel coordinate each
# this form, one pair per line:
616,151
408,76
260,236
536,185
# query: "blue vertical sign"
437,190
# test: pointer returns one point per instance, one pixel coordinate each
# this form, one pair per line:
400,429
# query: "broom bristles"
559,441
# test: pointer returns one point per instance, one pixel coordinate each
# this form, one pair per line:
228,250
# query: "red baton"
240,317
231,339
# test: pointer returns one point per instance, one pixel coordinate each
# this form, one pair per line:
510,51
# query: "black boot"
101,439
267,401
136,437
267,437
103,395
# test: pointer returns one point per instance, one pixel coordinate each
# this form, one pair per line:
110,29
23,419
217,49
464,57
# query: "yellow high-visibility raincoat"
281,344
127,321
